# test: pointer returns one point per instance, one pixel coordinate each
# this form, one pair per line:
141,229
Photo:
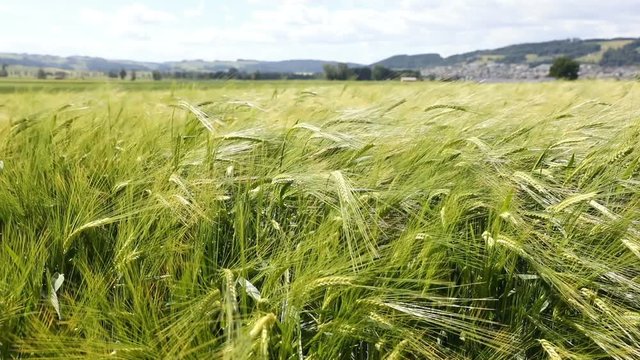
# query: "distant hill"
299,66
85,63
605,52
78,63
411,61
291,66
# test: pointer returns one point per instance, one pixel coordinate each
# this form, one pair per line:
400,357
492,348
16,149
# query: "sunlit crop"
321,221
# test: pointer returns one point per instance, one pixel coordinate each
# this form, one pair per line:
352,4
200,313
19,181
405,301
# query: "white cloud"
194,12
355,30
135,21
140,14
492,22
93,16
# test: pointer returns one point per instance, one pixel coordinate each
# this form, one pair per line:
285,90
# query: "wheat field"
314,220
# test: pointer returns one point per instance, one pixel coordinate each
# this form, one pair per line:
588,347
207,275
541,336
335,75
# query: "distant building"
408,79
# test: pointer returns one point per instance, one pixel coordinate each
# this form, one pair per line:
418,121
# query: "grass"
321,221
30,85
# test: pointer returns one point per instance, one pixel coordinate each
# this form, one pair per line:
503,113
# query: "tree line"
623,56
342,71
331,72
229,74
563,67
339,71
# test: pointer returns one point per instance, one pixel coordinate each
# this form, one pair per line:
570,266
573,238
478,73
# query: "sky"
362,31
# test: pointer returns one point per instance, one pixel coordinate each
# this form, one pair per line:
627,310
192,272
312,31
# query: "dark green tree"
564,68
133,75
113,74
156,75
382,73
123,74
362,73
340,71
41,74
233,73
409,73
330,72
344,73
4,72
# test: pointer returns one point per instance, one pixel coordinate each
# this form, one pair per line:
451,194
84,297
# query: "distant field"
605,45
17,85
317,220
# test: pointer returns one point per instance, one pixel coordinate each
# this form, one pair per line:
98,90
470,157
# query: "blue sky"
350,30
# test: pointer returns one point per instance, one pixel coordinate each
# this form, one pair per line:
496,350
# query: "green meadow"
318,220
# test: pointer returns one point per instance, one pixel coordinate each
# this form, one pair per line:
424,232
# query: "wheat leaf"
250,289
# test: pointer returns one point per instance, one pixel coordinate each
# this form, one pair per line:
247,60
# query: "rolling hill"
411,61
85,63
605,52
